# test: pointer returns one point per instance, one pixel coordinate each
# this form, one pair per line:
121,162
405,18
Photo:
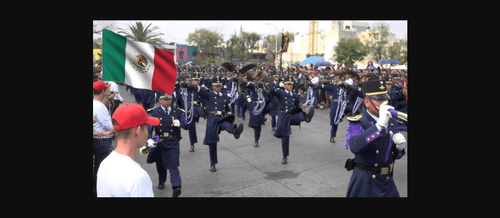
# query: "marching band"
373,104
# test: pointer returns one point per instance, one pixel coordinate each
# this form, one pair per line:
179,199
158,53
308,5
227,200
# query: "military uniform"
289,113
257,100
166,152
375,150
273,103
197,112
337,106
219,118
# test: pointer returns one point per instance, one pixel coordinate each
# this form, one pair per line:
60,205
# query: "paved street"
315,166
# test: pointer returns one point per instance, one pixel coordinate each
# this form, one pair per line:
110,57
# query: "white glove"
151,143
249,100
225,86
399,140
281,84
384,114
176,123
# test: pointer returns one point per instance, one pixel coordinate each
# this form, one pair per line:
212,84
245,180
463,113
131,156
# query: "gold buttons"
376,165
387,178
377,151
215,102
373,177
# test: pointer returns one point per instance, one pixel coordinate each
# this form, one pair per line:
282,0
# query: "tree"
378,41
236,47
398,51
270,46
206,40
141,33
251,40
350,50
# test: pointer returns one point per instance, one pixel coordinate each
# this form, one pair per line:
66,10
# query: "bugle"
399,114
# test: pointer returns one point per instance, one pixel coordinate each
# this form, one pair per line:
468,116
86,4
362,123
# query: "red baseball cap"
132,115
99,85
314,73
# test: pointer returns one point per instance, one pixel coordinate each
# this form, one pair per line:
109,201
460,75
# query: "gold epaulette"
150,109
355,118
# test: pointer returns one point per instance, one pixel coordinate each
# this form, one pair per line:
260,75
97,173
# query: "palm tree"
141,33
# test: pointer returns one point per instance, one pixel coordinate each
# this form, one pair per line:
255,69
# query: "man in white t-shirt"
119,175
103,129
117,98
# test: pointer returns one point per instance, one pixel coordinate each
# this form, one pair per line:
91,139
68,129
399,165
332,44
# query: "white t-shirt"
103,123
114,88
120,176
315,80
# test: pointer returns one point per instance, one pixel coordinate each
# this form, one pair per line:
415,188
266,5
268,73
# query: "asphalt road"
315,166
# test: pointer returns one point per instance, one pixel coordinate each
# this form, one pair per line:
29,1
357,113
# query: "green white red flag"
137,64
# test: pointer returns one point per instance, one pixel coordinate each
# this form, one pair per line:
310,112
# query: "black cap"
216,81
375,88
288,80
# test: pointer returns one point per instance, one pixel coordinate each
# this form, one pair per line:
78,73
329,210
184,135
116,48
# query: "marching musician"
256,104
338,94
374,139
290,113
242,102
197,112
166,151
219,117
275,101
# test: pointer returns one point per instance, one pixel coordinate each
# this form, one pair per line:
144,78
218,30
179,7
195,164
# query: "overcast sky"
177,31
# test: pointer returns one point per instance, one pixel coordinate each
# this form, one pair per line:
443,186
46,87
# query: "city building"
327,40
185,53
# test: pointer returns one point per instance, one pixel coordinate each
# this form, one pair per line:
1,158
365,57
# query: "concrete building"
327,40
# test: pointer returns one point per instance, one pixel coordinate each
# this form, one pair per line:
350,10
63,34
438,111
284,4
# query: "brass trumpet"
144,150
400,115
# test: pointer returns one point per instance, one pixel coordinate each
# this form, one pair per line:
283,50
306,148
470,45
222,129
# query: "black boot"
238,131
176,192
256,144
310,115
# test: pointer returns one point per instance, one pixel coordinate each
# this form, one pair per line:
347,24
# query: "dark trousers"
273,121
101,151
212,150
256,132
193,138
148,105
175,175
115,106
333,132
284,145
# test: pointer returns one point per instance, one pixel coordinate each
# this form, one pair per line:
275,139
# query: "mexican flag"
138,64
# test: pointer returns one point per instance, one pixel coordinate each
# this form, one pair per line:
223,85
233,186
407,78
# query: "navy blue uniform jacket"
168,148
370,148
289,112
215,103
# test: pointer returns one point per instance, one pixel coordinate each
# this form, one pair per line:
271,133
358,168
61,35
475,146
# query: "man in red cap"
103,130
119,174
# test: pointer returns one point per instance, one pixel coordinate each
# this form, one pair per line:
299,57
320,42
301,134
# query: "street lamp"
276,54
